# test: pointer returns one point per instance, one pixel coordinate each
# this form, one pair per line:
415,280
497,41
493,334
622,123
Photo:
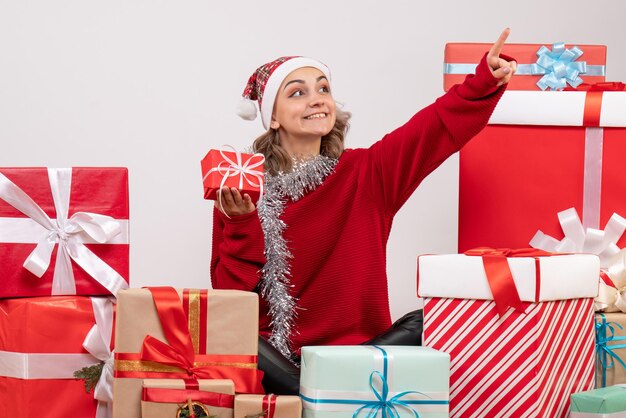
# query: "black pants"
282,377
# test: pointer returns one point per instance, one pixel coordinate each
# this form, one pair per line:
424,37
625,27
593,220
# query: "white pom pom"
246,109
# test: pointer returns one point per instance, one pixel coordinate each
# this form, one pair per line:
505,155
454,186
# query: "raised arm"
404,157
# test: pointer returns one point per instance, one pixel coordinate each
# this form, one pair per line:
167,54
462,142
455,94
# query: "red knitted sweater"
338,233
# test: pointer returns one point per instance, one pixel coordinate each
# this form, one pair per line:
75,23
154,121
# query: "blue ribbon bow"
558,67
387,406
604,352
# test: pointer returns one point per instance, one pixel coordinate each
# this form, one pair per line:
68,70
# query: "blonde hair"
277,159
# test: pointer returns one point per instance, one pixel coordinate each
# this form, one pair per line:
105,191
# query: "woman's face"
304,104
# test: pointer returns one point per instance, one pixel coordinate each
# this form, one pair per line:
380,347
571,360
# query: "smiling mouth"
316,116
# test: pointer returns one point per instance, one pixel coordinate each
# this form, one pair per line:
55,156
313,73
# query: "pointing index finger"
496,48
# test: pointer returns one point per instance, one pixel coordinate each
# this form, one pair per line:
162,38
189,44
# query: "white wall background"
151,85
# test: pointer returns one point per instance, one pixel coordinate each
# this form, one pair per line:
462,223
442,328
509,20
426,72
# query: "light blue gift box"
609,402
374,381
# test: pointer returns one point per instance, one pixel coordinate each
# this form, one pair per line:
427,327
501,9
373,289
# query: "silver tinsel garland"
306,176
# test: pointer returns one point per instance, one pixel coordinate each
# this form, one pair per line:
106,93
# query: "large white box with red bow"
522,352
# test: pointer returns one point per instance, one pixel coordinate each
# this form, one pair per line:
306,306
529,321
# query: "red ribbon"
593,99
606,279
602,86
269,405
499,275
163,395
179,352
224,366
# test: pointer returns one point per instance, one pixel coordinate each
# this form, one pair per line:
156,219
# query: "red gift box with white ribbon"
39,354
517,324
548,168
63,231
223,168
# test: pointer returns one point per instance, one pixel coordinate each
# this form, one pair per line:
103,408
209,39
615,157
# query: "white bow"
97,343
613,298
602,243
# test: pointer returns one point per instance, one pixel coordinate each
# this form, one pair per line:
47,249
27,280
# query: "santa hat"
264,83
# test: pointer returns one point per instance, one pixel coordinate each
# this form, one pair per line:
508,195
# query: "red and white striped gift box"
520,364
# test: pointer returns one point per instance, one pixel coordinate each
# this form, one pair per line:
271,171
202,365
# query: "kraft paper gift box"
233,169
538,66
183,334
267,406
338,381
63,231
547,171
163,398
503,361
43,341
609,402
610,349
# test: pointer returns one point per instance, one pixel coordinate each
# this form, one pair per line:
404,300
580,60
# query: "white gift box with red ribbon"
537,279
524,361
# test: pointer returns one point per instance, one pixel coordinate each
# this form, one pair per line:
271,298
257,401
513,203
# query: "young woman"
315,246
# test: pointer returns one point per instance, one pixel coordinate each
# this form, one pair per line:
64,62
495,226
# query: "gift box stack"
64,250
522,336
188,347
177,353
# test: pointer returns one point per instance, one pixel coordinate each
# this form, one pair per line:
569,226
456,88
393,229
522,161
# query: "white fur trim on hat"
246,109
276,79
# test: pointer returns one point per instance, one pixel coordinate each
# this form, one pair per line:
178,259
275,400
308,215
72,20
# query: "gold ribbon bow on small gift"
193,410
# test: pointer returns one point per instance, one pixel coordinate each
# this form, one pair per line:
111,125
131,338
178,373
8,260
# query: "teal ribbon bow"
388,407
382,404
605,333
558,67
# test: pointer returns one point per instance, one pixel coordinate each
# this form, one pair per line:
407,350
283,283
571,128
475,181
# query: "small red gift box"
63,231
545,159
535,61
39,354
232,169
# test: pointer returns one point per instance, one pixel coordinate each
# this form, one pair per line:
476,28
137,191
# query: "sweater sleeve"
404,157
237,251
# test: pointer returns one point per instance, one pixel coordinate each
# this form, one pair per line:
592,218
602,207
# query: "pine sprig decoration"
198,412
91,375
